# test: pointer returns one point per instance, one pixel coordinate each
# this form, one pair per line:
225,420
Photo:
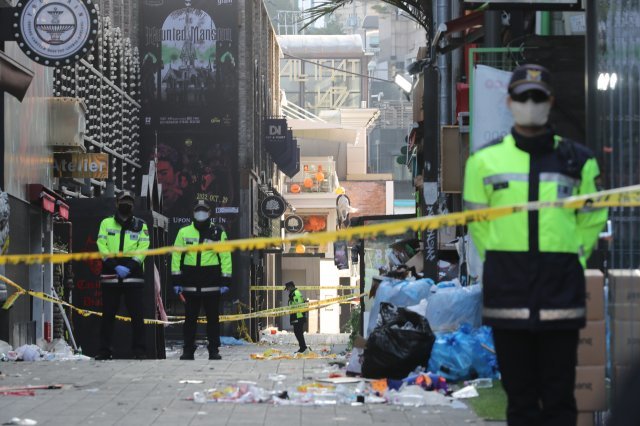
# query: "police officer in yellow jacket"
533,280
201,277
122,276
297,319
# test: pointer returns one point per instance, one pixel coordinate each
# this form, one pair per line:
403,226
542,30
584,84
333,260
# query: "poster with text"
188,50
188,53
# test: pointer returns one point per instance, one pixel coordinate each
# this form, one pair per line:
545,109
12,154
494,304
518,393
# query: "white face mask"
201,216
530,113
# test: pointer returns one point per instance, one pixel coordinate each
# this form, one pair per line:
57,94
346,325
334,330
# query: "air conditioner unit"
66,123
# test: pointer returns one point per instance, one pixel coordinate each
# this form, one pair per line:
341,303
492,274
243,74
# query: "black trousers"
133,300
210,301
538,374
298,330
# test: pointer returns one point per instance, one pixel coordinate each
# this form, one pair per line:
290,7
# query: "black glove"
225,282
110,263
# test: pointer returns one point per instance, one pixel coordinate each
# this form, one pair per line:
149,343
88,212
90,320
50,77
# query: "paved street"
127,392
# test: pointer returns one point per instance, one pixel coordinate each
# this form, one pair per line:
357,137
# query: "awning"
48,200
342,125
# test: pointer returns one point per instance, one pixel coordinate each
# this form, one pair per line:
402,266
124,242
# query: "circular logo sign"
55,33
273,207
293,224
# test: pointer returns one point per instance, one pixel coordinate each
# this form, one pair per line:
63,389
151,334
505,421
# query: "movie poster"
188,53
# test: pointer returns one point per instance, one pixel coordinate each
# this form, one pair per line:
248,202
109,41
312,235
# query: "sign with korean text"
94,166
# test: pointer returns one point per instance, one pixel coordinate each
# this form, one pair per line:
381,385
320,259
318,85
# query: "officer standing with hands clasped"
122,276
201,277
297,319
533,280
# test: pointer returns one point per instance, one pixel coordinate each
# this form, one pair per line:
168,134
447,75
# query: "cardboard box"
625,342
595,294
590,388
624,285
592,346
625,311
585,419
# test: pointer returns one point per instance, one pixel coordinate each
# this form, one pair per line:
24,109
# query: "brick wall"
368,197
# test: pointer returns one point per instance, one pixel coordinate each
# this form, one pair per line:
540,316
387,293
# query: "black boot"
214,355
188,354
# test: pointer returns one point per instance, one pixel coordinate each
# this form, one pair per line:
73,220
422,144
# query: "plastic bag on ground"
464,354
29,353
484,361
231,341
5,348
401,342
400,294
451,305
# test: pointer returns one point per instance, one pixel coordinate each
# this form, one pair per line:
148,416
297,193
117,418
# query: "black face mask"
125,209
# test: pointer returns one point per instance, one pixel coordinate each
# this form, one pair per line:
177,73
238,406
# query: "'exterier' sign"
81,165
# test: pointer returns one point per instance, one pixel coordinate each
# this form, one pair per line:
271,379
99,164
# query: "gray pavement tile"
149,391
64,420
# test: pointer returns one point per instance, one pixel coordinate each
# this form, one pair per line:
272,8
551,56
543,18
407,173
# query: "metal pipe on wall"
442,14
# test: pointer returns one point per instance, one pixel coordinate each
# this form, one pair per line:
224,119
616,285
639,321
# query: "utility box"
454,151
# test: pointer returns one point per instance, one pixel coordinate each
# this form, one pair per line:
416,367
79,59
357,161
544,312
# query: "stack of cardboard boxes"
624,285
590,373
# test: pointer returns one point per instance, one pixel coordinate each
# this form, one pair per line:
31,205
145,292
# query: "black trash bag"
401,341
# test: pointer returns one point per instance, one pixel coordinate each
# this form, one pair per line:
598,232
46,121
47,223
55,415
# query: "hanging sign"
273,206
293,224
55,33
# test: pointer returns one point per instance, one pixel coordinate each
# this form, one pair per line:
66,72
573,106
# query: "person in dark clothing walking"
297,319
202,277
122,276
533,280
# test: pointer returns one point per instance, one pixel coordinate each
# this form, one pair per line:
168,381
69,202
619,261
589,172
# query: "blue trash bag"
400,294
484,362
466,353
452,355
231,341
451,305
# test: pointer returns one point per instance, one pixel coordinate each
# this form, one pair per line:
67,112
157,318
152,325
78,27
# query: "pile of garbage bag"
466,353
399,293
450,304
401,341
463,348
56,350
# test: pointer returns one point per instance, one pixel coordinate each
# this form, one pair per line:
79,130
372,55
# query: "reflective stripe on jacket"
295,298
533,273
113,238
200,268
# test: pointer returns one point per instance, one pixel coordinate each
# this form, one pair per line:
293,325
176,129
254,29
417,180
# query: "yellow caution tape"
620,197
274,312
302,287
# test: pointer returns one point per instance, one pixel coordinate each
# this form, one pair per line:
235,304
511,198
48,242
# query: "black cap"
126,195
202,205
289,284
530,77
